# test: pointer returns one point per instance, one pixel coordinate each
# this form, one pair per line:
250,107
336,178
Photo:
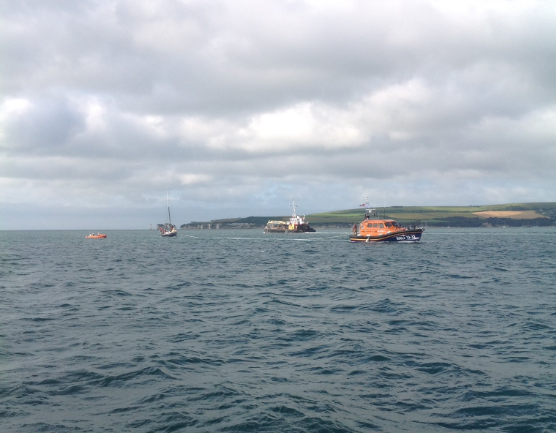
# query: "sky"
236,109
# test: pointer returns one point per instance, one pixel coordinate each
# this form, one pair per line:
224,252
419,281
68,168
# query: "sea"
241,331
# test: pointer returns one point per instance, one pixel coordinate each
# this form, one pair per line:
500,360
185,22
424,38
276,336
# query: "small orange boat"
97,236
384,230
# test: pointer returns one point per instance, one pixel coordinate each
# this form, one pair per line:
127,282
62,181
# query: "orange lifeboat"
97,236
384,230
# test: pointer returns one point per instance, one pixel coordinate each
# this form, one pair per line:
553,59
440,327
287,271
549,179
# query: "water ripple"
236,331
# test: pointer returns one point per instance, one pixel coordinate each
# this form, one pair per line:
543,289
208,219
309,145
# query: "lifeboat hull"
95,237
406,236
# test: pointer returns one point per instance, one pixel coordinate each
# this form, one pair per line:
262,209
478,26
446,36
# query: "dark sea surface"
240,331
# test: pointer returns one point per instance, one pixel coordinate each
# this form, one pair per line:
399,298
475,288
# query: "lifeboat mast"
369,211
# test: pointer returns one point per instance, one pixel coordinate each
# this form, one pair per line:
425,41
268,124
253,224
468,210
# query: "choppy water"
238,331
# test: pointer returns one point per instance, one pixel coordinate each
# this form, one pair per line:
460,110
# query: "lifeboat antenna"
368,210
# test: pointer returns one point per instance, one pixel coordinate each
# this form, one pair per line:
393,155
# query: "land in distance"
513,215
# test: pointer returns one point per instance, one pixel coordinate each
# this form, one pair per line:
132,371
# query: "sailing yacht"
168,230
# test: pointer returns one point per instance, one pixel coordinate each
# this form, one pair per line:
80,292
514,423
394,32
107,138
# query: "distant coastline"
508,215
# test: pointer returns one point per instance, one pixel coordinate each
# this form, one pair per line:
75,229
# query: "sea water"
241,331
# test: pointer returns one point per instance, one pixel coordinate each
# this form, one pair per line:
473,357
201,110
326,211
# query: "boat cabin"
379,227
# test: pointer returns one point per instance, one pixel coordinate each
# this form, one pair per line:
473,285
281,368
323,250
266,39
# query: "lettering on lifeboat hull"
405,236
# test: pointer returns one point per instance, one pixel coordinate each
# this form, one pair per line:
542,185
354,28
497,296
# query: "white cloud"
306,125
245,104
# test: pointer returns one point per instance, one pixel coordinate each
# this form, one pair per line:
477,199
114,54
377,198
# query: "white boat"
168,230
296,224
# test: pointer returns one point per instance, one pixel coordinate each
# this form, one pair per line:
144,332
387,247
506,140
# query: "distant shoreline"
502,215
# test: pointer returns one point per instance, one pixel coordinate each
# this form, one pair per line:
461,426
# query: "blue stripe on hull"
405,237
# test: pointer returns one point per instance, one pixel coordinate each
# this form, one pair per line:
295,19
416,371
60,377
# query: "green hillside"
514,214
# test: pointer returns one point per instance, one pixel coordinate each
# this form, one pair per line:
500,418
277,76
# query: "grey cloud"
48,125
246,103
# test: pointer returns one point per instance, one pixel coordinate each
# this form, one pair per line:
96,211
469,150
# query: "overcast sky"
238,108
